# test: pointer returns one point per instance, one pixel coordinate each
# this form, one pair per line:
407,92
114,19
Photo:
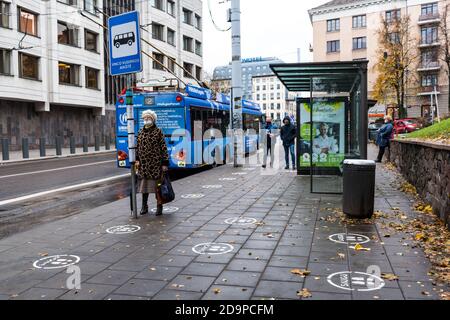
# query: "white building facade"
275,101
175,28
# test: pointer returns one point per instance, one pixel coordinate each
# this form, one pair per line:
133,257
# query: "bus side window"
196,115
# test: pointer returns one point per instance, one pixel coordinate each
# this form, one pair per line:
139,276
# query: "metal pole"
42,147
437,104
131,145
236,79
25,149
432,109
5,149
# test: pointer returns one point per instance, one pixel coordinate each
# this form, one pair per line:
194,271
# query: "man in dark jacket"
384,137
288,134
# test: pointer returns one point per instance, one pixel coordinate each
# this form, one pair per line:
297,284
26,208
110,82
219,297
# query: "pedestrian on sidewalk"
384,137
152,160
288,133
269,146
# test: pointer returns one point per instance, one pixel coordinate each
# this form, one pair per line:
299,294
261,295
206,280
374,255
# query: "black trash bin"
359,188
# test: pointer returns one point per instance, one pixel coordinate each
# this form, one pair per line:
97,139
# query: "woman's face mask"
148,122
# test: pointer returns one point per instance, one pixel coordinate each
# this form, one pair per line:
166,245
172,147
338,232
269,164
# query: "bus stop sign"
124,44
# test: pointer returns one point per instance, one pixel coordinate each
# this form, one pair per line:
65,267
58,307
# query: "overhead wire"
212,19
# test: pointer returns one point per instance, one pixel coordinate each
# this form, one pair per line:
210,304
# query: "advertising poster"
327,145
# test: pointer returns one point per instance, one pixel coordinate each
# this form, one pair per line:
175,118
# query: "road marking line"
76,186
56,169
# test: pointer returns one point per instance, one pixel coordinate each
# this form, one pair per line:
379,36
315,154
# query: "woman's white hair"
151,114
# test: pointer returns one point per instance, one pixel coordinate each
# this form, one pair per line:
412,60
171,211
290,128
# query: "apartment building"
51,71
251,67
175,28
346,30
275,101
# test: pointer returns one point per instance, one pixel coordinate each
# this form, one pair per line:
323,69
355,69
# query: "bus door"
196,136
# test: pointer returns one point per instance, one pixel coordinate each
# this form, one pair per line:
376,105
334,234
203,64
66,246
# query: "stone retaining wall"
426,166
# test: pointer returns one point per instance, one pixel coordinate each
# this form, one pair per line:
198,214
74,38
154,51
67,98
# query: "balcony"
427,43
426,91
429,66
429,19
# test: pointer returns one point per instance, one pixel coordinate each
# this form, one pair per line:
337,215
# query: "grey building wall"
20,120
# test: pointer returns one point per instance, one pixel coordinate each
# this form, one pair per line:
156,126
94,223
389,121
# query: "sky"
268,28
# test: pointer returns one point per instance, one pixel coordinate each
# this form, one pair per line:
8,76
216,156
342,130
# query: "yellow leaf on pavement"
301,272
389,276
304,293
216,290
359,247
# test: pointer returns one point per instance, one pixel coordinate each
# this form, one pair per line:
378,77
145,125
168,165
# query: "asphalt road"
41,191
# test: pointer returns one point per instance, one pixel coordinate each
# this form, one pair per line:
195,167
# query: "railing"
430,65
431,16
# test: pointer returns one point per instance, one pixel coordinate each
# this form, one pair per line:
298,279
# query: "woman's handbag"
165,189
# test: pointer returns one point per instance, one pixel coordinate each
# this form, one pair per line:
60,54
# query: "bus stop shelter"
331,118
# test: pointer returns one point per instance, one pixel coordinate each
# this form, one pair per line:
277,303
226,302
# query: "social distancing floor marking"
212,248
125,229
241,221
167,209
348,238
355,281
192,196
56,262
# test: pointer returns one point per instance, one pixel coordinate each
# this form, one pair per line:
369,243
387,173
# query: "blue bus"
177,114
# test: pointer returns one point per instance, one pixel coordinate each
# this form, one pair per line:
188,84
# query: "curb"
57,157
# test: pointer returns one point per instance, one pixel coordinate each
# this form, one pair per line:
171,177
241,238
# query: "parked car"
405,125
373,130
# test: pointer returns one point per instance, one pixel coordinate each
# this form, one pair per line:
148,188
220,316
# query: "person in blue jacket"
384,137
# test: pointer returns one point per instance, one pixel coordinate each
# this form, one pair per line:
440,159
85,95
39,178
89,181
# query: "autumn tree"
396,55
445,43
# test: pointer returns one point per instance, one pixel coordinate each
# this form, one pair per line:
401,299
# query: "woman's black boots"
159,210
144,209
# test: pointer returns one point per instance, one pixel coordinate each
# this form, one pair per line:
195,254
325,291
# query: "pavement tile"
141,287
254,254
173,260
190,283
89,292
278,290
382,294
177,295
205,269
422,290
221,292
288,261
247,265
112,277
238,278
159,273
294,251
127,264
281,274
40,294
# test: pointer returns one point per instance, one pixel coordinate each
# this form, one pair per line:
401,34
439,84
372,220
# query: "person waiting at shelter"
288,133
152,160
324,144
269,130
384,137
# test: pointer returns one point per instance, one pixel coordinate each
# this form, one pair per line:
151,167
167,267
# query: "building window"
157,31
69,2
92,78
258,96
28,22
158,4
171,64
187,16
258,87
198,22
198,48
69,73
333,46
5,61
278,96
429,80
333,25
160,58
187,44
28,66
359,21
278,86
429,58
429,9
90,5
278,106
394,37
264,106
264,87
171,8
429,35
188,67
272,106
90,40
272,96
359,43
170,37
67,34
198,72
4,14
393,15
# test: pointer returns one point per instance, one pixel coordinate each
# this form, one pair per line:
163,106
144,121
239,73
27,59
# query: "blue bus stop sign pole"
124,58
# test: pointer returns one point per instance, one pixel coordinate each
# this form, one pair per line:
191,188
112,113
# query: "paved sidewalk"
50,153
285,228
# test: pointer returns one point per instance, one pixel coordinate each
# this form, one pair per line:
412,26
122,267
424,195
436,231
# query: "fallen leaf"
389,276
188,277
300,272
153,269
43,254
359,247
304,293
419,236
425,293
341,255
445,296
216,290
